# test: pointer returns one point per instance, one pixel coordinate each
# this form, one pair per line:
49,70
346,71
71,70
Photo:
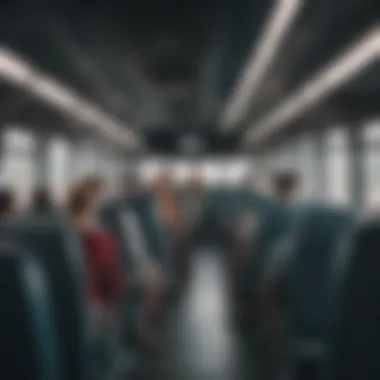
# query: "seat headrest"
58,249
28,348
356,345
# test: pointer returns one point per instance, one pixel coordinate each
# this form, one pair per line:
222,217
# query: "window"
18,140
305,162
337,166
85,161
59,168
18,166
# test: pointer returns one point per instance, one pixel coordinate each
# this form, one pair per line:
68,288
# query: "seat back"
213,225
356,347
222,212
273,224
59,252
310,283
28,346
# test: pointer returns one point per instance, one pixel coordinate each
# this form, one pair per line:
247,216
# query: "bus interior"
190,190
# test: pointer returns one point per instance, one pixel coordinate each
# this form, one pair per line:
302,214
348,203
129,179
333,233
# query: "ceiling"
167,67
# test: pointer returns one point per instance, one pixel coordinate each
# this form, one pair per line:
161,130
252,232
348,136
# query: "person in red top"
107,283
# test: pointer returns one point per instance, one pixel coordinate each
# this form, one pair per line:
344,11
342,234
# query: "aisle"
200,343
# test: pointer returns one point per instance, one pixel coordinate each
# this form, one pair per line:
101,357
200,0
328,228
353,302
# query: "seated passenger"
106,279
8,208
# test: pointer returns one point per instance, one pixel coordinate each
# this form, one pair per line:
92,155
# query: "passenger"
8,207
41,201
106,280
169,207
193,202
169,212
286,186
149,277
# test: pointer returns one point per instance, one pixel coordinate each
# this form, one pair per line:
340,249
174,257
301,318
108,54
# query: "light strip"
53,93
13,68
22,74
275,31
340,71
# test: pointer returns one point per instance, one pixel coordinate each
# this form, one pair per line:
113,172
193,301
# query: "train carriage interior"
190,190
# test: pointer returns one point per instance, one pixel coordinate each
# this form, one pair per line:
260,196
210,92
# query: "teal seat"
213,226
28,345
310,281
273,225
222,211
309,286
59,252
298,277
355,347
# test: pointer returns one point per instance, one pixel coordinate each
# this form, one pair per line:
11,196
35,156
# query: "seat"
28,344
59,250
273,224
60,254
355,346
221,212
310,280
309,286
212,228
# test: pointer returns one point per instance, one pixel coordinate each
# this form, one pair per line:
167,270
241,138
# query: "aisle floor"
200,343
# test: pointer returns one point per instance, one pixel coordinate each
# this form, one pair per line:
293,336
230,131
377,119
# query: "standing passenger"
147,273
169,208
106,278
169,212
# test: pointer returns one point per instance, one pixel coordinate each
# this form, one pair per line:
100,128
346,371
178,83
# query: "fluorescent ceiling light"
53,93
341,70
13,68
21,74
275,31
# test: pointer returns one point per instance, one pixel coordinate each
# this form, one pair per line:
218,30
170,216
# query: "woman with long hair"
107,283
107,277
